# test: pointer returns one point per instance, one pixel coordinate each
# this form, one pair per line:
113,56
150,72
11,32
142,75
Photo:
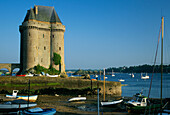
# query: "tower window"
60,48
44,48
29,33
43,35
53,36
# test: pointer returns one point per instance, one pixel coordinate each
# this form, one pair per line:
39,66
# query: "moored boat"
77,99
145,77
111,102
32,98
39,111
14,106
108,102
121,80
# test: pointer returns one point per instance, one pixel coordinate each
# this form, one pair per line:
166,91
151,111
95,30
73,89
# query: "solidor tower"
42,35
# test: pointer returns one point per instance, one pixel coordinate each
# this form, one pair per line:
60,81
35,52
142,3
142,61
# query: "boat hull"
155,108
77,99
111,103
50,111
32,98
14,107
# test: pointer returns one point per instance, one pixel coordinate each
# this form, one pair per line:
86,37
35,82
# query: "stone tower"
42,34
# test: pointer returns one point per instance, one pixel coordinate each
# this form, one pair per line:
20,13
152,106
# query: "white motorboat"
121,80
138,100
144,77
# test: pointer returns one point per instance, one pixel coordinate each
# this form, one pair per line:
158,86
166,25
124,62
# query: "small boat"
77,99
51,75
29,75
39,111
121,80
20,75
144,77
138,100
140,103
132,75
108,103
32,98
93,79
95,76
14,106
111,103
113,74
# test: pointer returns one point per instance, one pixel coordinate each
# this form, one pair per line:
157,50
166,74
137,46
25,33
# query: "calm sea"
136,84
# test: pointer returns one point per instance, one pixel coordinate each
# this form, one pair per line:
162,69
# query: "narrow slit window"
44,48
43,35
60,48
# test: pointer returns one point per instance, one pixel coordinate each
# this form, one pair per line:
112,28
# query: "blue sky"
99,33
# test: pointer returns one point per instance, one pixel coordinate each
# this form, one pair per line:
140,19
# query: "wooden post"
98,96
162,57
28,93
104,86
91,85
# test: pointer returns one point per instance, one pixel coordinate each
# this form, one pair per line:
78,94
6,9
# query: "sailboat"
109,102
113,74
132,75
141,103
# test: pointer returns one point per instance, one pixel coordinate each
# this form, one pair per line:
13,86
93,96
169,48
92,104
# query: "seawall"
58,84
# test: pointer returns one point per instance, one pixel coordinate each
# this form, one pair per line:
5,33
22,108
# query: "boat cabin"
14,94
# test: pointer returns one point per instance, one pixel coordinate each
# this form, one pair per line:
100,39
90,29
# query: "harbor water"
133,85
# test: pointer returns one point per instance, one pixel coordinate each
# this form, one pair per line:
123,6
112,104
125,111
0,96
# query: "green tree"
56,59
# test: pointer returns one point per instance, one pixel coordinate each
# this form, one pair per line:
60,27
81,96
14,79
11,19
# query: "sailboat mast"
162,55
104,86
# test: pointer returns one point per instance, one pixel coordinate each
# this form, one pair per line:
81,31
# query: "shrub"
53,71
56,59
63,75
38,69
